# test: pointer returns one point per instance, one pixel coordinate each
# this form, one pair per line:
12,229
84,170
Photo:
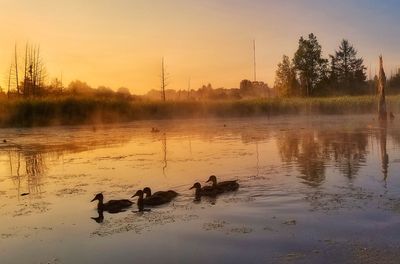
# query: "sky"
120,43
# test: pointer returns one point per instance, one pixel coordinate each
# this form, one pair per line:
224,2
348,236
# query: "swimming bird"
203,191
391,116
225,186
140,202
112,206
169,195
155,200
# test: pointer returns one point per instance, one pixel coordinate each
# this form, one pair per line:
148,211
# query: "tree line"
309,74
27,78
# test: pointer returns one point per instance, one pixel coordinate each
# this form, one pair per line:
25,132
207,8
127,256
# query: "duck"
155,200
225,186
169,195
155,130
112,206
203,191
140,201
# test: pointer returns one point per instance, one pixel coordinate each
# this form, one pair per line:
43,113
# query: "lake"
313,189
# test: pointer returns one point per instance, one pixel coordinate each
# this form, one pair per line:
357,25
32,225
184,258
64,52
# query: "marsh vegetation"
86,110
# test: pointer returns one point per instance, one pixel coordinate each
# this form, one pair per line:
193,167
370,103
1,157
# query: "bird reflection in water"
198,198
100,218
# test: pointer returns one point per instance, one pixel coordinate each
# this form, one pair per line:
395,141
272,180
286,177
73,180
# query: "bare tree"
34,71
25,70
164,78
9,82
188,90
16,68
254,60
13,75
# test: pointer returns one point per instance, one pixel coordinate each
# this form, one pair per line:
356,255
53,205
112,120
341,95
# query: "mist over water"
312,189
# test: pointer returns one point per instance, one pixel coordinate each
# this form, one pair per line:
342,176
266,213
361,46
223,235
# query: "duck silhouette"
158,198
203,191
112,206
140,201
225,186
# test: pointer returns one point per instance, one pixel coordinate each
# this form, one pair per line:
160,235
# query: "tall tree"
311,66
348,70
246,86
286,83
333,78
164,82
16,68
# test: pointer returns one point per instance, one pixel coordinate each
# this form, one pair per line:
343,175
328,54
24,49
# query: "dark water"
313,189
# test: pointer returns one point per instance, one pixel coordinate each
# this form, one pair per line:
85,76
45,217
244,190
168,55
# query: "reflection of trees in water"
394,133
164,151
303,149
380,134
35,169
258,160
17,177
310,151
255,136
311,161
29,167
348,150
288,146
384,154
27,161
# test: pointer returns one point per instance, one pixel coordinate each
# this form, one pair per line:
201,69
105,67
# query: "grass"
74,110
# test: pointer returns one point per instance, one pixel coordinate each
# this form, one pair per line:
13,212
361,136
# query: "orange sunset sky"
121,43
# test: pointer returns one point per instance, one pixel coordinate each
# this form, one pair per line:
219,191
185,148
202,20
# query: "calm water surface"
313,189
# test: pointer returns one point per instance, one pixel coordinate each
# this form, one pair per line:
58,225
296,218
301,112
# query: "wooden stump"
382,112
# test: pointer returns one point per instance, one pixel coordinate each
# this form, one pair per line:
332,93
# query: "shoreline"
66,111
